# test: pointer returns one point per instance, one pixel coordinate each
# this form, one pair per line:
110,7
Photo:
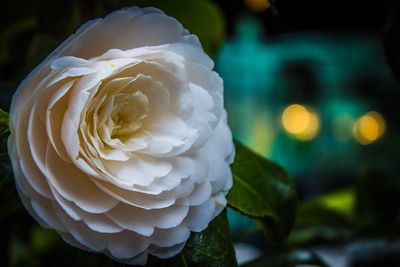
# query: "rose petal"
169,237
75,185
144,221
126,29
199,216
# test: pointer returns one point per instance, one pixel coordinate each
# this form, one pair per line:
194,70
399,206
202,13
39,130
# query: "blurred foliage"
293,258
8,196
392,40
361,222
371,208
378,201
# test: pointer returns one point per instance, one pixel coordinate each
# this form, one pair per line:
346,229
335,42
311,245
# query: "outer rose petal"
119,139
130,28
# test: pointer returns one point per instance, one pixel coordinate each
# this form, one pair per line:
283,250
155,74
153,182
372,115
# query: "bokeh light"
369,128
257,5
300,122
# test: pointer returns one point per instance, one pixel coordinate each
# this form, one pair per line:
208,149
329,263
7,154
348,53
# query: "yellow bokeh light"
369,128
257,5
300,122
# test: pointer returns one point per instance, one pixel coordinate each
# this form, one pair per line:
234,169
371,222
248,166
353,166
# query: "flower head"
119,138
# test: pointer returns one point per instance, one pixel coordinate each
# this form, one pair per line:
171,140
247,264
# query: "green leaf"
264,191
213,247
8,195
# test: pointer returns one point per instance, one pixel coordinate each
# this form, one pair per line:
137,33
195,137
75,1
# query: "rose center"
128,112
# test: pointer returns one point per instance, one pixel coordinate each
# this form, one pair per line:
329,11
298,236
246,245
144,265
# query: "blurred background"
309,84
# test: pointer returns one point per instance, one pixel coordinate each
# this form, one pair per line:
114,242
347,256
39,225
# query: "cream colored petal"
26,202
56,107
203,102
126,29
157,94
120,245
67,62
80,232
68,207
172,78
166,252
76,186
200,216
67,237
220,203
126,245
209,81
167,134
169,237
223,182
44,209
183,168
97,222
144,221
138,170
27,195
140,259
189,52
222,140
200,194
188,185
19,150
37,139
136,199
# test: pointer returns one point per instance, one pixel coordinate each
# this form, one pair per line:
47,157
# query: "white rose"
119,138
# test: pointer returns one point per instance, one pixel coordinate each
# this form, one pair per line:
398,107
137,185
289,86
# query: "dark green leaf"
264,191
213,247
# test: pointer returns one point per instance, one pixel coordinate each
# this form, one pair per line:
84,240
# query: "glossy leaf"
264,191
213,247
